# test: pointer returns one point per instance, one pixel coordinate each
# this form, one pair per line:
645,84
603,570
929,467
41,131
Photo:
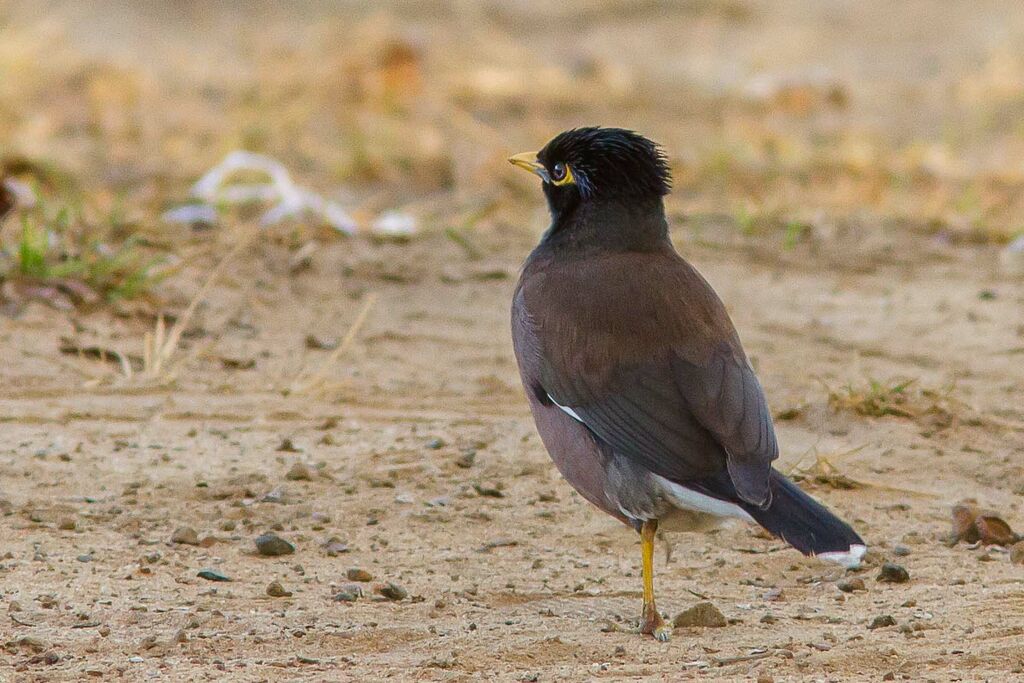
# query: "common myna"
636,378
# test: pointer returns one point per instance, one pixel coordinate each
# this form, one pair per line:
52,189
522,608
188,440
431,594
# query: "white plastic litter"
290,200
24,195
395,224
192,214
1011,258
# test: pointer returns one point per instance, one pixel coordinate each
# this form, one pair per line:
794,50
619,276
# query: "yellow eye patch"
566,175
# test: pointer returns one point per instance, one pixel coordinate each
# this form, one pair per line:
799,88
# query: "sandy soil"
422,463
515,585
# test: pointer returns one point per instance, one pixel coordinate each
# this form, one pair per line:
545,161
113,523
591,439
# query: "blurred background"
199,347
778,110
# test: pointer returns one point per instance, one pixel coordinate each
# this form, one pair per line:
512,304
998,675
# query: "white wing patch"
568,411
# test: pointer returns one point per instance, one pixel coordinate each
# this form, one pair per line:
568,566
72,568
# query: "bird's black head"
609,169
598,164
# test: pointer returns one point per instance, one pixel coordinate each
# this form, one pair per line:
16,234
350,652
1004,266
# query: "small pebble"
893,573
67,524
211,575
321,343
852,585
275,495
272,545
466,460
276,590
361,575
702,614
435,444
299,472
334,546
882,621
392,591
286,446
33,643
901,551
488,491
185,535
1017,553
346,596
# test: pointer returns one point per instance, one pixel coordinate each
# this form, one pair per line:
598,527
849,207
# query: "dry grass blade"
314,381
823,471
936,408
877,399
104,355
160,345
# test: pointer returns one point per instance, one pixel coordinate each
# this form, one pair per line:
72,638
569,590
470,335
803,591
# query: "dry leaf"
994,531
972,524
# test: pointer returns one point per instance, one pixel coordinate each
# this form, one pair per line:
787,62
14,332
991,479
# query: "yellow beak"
528,162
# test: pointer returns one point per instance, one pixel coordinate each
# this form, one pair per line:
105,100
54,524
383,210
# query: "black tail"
798,519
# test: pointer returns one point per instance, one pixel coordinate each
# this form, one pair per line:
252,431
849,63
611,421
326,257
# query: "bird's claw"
656,626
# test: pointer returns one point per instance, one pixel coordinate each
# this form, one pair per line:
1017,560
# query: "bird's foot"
653,624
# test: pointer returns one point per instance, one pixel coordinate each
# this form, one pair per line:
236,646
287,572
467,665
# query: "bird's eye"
561,174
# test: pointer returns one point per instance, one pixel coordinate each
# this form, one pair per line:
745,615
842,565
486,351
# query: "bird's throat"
613,225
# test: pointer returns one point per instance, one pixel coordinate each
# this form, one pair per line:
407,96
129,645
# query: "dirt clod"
893,573
1017,553
703,614
882,621
361,575
299,471
334,546
185,535
276,590
348,595
489,490
392,591
319,343
854,585
287,446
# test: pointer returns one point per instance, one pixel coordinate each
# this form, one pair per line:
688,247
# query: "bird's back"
605,311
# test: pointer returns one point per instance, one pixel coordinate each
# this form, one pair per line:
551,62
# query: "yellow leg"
651,622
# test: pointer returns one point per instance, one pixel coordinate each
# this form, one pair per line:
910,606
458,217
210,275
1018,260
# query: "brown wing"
652,366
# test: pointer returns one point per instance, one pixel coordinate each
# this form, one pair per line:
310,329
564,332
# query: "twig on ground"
306,382
160,345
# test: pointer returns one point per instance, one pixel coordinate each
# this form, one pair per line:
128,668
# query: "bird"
636,378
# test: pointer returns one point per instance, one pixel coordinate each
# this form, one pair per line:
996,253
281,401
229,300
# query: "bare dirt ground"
847,191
